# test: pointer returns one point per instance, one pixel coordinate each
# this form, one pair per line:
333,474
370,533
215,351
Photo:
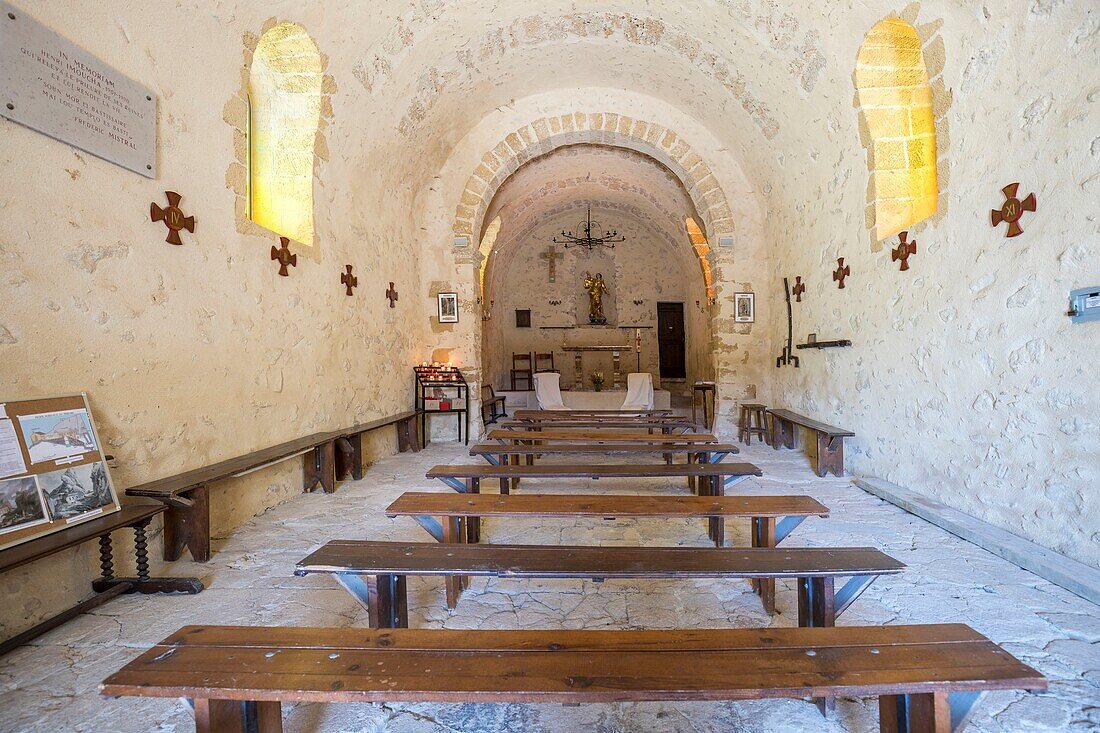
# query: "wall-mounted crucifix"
552,256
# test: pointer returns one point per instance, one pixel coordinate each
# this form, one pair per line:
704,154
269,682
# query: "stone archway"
603,128
547,134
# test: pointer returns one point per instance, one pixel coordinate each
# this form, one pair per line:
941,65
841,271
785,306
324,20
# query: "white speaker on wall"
462,241
726,241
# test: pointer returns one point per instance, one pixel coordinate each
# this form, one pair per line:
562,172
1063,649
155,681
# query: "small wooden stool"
754,420
702,390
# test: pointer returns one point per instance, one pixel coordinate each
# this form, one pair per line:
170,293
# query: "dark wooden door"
670,340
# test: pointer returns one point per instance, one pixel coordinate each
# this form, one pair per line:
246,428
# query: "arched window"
896,101
702,247
284,99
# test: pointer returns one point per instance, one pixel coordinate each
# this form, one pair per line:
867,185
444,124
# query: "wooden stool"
754,420
702,390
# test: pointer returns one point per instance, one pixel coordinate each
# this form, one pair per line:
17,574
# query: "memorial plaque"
55,87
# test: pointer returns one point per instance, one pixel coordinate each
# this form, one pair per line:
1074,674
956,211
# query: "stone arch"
602,128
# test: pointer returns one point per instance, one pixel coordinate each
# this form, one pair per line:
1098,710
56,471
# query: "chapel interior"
424,366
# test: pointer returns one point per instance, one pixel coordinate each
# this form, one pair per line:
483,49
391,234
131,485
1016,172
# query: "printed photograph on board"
77,490
54,435
21,504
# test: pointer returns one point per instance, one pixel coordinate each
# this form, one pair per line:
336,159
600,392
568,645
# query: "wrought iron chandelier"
590,235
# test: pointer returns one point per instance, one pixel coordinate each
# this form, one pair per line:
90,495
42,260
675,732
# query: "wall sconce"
554,302
638,302
487,313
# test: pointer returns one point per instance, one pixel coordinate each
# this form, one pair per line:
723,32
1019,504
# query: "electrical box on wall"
1084,304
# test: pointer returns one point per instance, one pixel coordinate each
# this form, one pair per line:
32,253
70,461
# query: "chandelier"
590,234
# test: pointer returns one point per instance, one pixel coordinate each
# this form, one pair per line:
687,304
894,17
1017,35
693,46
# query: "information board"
52,470
55,87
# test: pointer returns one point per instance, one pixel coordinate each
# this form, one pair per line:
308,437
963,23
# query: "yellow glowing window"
486,248
284,93
702,247
896,101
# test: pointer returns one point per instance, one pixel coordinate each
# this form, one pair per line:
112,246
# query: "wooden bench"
596,435
924,676
137,518
665,426
374,573
830,439
772,518
573,414
492,406
708,479
327,457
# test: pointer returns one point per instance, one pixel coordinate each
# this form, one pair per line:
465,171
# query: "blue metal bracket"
959,702
491,458
432,526
852,590
455,483
733,480
785,526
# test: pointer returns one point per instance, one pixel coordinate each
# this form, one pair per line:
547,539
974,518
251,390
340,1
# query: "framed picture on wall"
448,307
744,307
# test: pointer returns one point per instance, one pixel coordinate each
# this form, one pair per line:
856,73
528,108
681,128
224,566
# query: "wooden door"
670,340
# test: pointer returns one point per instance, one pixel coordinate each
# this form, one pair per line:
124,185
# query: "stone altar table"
578,370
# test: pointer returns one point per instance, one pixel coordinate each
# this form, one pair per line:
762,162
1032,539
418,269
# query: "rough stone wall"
643,268
197,353
966,381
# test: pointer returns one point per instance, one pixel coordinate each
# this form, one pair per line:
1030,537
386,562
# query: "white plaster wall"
197,353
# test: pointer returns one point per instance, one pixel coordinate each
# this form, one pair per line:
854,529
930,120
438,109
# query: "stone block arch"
600,128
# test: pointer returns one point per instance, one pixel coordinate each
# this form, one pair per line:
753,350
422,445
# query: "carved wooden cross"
392,295
172,217
1012,209
348,280
903,251
842,271
284,257
552,256
798,289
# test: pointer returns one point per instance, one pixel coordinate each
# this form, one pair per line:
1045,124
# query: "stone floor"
51,686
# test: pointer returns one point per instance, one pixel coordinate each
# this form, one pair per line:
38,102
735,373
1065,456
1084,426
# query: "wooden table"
237,675
374,573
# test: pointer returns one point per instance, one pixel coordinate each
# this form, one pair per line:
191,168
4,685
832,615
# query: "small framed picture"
744,307
448,307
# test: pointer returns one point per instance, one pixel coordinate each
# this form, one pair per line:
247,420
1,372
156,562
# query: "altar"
616,360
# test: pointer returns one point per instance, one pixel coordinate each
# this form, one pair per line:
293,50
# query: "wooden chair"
544,362
522,370
492,407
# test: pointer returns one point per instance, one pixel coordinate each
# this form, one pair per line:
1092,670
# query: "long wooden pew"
665,426
772,518
924,676
598,435
710,479
571,414
374,573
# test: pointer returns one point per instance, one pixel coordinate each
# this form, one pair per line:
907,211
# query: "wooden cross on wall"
903,251
172,217
842,271
552,256
798,289
1012,209
348,280
392,295
284,257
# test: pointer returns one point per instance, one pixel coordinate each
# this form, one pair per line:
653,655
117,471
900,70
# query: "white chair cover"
548,391
639,391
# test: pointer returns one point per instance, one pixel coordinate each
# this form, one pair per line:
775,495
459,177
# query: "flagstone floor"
51,685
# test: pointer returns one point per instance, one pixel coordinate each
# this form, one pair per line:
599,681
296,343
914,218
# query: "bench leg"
452,534
763,535
383,596
782,433
923,713
505,483
830,455
319,467
189,527
235,716
349,457
817,608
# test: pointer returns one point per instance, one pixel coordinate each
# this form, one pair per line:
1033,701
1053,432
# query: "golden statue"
596,288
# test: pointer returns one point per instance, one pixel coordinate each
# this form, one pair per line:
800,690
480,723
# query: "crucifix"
552,256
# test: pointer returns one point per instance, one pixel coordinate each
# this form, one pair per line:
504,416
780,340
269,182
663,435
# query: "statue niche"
595,287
